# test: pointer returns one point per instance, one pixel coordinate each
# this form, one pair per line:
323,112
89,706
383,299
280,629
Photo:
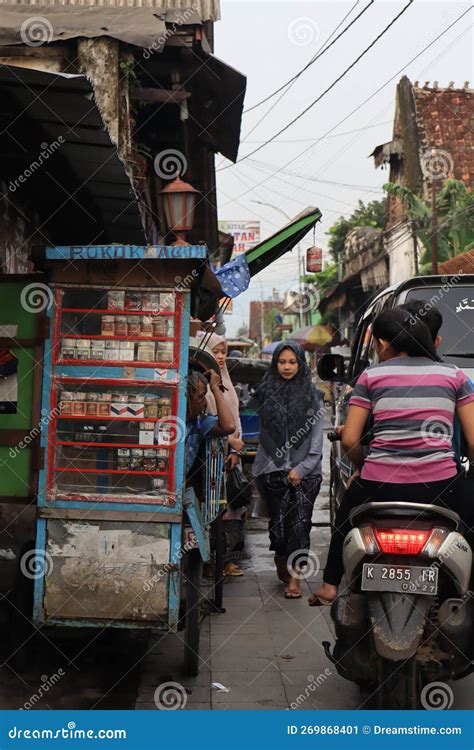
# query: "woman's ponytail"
405,333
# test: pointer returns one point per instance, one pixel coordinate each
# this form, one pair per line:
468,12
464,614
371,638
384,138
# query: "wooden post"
434,229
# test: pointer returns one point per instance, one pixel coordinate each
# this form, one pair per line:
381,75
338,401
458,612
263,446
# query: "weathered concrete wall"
400,248
99,61
16,233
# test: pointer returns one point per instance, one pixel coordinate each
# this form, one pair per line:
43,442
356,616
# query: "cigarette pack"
116,300
133,301
118,409
136,461
146,437
112,355
150,301
135,410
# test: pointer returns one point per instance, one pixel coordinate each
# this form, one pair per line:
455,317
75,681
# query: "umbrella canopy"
270,348
312,337
234,276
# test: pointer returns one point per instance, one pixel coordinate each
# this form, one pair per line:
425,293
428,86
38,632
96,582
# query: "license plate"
400,578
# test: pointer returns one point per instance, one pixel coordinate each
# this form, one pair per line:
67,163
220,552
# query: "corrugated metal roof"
144,27
209,10
96,201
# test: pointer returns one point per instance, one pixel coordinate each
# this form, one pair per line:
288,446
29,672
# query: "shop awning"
235,275
220,114
59,157
266,252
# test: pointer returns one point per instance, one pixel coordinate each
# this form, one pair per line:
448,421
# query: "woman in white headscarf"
232,518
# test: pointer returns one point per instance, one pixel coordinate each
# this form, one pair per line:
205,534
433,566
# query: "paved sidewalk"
265,649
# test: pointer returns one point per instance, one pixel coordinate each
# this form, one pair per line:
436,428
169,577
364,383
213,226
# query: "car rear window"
456,305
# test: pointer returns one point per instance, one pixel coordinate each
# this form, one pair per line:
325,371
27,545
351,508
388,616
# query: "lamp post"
179,200
270,205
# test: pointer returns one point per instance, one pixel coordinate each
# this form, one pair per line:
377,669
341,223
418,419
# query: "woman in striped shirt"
412,398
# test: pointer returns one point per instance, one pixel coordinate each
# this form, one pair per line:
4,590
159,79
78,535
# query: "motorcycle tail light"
402,541
435,541
370,542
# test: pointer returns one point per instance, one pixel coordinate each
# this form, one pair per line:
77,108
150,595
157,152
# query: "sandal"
292,593
317,601
233,570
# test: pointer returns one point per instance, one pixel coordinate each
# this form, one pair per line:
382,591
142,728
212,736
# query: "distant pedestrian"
233,518
287,466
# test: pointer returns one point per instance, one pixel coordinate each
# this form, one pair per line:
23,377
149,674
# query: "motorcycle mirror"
331,367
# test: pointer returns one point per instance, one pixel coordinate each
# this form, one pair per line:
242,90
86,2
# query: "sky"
270,42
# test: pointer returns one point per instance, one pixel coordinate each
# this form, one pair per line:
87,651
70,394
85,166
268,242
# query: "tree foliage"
455,210
372,214
323,280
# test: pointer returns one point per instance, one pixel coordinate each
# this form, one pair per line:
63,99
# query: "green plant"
128,69
455,211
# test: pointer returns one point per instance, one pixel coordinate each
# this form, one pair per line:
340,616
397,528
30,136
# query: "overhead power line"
364,102
350,186
316,57
292,81
336,135
328,89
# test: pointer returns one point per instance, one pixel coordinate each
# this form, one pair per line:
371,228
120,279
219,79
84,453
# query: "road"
266,651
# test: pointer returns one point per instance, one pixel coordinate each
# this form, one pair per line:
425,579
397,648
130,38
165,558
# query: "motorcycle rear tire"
399,685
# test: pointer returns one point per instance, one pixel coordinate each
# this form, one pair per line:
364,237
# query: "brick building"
433,139
264,332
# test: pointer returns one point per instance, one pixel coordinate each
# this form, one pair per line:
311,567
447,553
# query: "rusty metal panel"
209,10
104,570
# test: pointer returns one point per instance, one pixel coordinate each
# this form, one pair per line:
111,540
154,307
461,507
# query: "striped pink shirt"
413,401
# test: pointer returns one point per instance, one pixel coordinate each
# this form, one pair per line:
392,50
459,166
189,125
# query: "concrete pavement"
265,650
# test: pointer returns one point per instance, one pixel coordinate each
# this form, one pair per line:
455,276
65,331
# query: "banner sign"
246,234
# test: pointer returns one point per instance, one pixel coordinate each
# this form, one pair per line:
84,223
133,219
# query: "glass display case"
114,437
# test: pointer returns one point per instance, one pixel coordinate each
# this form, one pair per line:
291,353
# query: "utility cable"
316,57
336,135
377,91
328,89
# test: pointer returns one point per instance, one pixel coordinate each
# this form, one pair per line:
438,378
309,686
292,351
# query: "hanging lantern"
179,200
314,260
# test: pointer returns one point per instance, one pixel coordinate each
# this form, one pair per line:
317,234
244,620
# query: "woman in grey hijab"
287,466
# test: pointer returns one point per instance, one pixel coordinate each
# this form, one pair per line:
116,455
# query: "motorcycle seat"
403,510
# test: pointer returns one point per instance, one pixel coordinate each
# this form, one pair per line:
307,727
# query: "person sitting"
433,319
200,425
412,397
